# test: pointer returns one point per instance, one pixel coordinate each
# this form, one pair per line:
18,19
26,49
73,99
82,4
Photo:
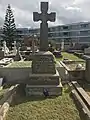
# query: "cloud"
67,11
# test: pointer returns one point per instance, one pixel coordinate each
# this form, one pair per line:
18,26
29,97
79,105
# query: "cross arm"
36,16
52,16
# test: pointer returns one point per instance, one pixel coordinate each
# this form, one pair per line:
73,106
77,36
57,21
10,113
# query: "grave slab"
38,89
44,79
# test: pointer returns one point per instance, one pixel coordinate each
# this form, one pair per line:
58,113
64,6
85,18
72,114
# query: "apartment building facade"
75,33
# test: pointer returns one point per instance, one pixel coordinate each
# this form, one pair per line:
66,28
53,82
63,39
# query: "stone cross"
44,17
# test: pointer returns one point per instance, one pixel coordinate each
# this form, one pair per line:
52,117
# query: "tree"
9,27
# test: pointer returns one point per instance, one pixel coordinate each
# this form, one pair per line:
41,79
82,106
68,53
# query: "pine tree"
9,27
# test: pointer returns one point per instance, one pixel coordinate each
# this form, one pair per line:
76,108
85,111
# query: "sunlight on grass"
39,108
69,56
20,64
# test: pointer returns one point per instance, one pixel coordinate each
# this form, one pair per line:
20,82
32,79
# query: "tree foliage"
9,27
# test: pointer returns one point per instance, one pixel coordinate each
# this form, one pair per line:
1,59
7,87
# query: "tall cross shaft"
44,17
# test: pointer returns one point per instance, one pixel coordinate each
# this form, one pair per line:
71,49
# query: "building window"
65,27
65,33
84,25
52,29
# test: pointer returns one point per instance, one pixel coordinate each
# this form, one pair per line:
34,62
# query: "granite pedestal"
44,75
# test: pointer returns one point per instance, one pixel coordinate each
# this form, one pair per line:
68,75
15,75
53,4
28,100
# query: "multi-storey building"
75,32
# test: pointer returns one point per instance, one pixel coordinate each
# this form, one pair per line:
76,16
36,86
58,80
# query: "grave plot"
40,108
7,93
3,91
74,70
6,61
86,87
75,65
69,56
81,98
41,95
21,64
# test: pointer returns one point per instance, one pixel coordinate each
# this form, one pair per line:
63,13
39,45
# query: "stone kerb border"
74,74
81,98
6,101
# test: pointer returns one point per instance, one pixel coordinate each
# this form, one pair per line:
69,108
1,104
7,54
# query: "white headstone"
15,48
62,45
79,66
5,48
1,80
87,51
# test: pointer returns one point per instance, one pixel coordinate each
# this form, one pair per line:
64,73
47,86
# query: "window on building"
83,32
65,27
84,25
52,29
65,33
88,31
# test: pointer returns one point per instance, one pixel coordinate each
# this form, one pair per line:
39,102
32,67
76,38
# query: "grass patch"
20,64
2,91
69,56
39,108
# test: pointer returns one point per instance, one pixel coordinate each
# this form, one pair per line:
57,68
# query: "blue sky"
67,11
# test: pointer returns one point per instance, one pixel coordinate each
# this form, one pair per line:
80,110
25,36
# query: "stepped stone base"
44,79
44,76
35,90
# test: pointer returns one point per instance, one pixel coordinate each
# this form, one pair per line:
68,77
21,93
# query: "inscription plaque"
43,64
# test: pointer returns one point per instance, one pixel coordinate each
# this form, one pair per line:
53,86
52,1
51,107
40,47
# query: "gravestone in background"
44,74
14,48
87,70
5,48
87,51
18,56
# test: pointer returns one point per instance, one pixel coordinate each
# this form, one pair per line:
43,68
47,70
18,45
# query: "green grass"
69,56
28,63
39,108
2,91
20,64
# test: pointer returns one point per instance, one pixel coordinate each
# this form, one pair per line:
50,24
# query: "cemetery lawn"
69,56
2,91
20,64
39,108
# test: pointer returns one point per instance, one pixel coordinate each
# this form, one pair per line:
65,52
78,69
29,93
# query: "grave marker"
44,74
44,17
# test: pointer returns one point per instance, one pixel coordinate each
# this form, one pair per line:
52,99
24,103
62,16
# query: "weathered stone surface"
43,63
44,75
18,57
44,79
38,89
44,17
87,70
1,54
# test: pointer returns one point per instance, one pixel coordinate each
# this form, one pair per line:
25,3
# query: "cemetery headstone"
15,48
5,48
44,17
62,45
33,45
44,73
87,51
18,56
1,53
